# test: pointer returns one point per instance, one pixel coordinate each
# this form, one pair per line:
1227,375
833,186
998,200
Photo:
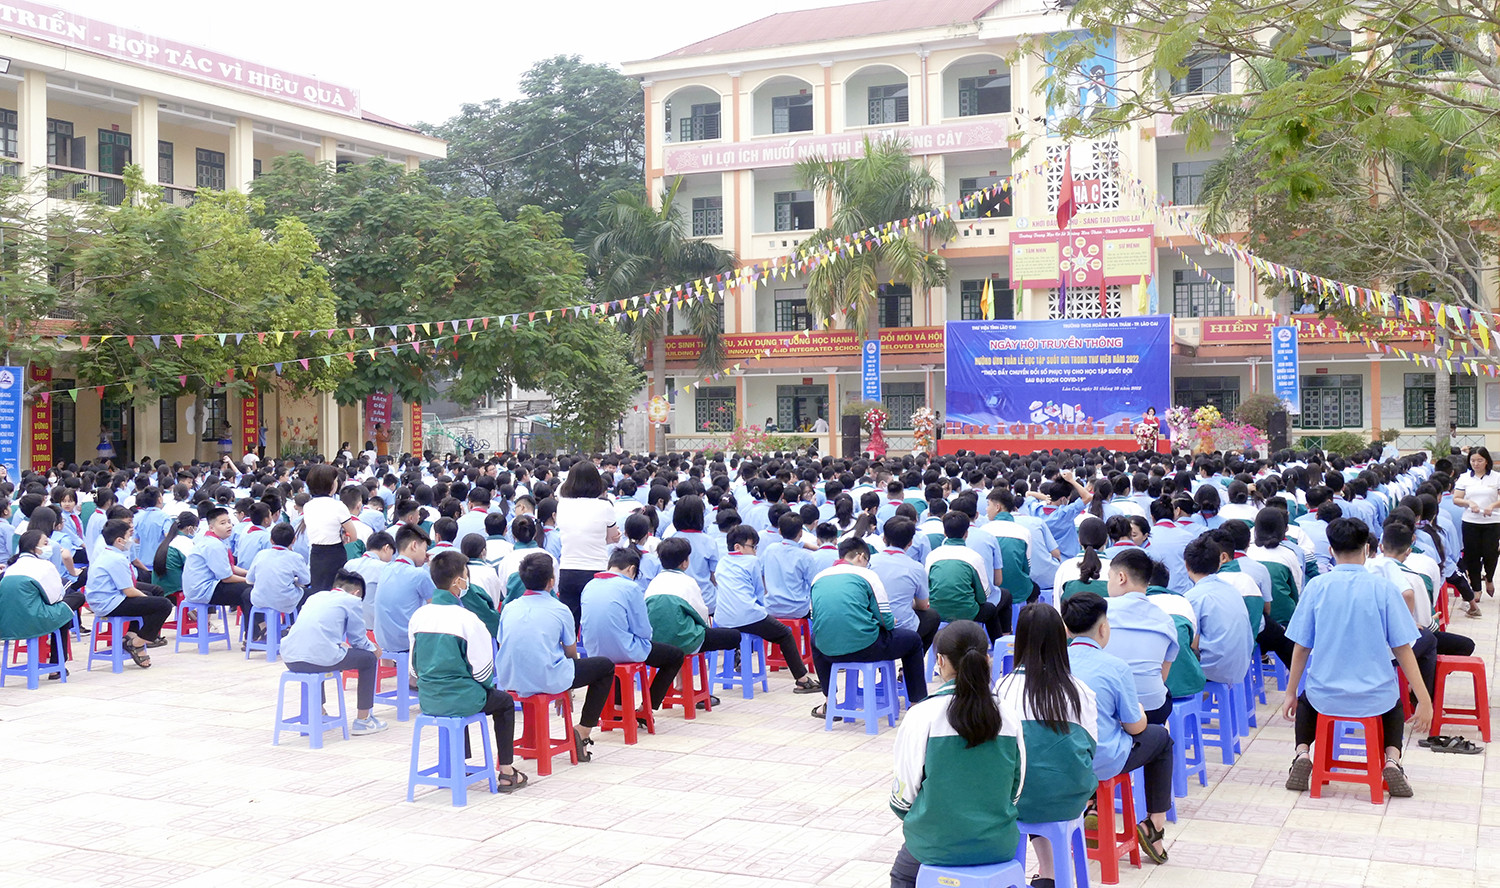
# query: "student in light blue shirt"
1356,622
208,576
112,593
905,581
742,604
256,536
1224,637
278,576
404,587
618,627
329,636
380,548
472,521
1141,633
1060,512
1167,542
786,569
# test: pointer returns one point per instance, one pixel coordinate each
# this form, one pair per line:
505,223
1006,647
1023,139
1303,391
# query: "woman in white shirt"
326,522
586,526
1477,491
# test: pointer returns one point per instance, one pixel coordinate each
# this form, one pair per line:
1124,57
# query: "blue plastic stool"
863,696
311,720
1279,670
1222,706
115,655
272,645
1070,861
201,614
401,696
452,770
1247,688
77,627
1258,673
990,875
752,667
1349,741
34,668
932,654
1002,657
1185,724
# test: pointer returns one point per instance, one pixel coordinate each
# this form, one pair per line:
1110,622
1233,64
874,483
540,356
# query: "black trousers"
1152,749
1427,647
355,658
902,644
501,708
570,585
1461,583
717,639
323,563
153,611
1481,551
1306,727
1272,640
776,632
927,626
1160,714
993,617
667,661
597,674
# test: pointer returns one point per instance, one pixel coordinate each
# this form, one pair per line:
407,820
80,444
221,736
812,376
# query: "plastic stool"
1111,845
691,687
1186,727
112,630
1407,708
536,740
1070,861
1248,692
1279,670
752,667
863,697
401,695
1348,741
801,631
34,668
988,875
1138,786
1443,713
272,645
1221,706
1258,675
1444,607
200,614
1002,657
1368,772
311,720
452,770
620,709
932,653
77,625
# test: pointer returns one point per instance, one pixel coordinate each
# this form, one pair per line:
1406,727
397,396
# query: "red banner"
377,412
738,346
415,444
249,423
41,423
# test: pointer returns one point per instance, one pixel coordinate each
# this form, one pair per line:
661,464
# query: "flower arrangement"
1177,419
1205,430
746,440
875,419
924,428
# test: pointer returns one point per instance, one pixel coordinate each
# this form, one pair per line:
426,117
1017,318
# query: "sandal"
581,745
1395,781
1433,740
1458,745
807,685
137,651
511,782
1473,611
1148,836
820,713
1299,775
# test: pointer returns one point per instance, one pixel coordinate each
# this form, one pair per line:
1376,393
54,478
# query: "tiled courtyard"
167,777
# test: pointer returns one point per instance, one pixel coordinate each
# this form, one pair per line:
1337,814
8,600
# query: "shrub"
1344,443
858,408
1256,410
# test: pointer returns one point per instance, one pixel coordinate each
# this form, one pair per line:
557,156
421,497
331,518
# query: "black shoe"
711,701
84,630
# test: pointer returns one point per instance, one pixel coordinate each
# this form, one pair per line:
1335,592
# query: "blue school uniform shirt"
375,520
919,549
91,533
1059,520
1224,638
905,581
1166,544
534,629
787,575
702,561
254,541
821,560
1351,619
328,621
109,576
758,516
615,620
1144,636
741,591
404,587
987,547
1043,565
472,521
1114,687
552,543
70,525
277,578
205,566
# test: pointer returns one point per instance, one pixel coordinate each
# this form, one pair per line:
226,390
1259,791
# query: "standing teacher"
1478,492
586,528
326,521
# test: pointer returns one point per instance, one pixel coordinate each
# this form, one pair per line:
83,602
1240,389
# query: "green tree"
586,409
882,185
640,249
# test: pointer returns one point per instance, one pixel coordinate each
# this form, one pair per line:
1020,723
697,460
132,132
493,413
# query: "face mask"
45,551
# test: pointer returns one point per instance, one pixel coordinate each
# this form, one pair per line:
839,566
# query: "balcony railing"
178,196
69,183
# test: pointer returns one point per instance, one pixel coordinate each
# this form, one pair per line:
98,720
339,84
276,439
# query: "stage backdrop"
1056,378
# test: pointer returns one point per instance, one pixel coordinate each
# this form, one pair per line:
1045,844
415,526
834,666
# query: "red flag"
1067,207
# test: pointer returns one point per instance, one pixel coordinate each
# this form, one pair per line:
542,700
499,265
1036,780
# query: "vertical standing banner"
377,412
41,422
1286,382
12,382
869,370
415,444
249,422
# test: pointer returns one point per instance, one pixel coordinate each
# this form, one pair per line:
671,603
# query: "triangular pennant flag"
328,360
486,322
231,374
182,381
303,362
46,397
99,390
238,338
371,331
427,328
130,341
73,393
262,337
277,365
395,348
278,337
105,338
156,341
83,341
222,337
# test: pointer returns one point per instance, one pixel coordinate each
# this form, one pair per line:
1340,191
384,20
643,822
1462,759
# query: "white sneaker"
363,726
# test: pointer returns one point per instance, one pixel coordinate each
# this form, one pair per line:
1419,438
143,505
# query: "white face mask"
44,551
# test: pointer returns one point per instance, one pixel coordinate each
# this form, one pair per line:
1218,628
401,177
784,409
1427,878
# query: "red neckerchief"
253,529
404,560
1239,555
1165,523
821,548
531,592
279,548
1126,543
893,551
602,575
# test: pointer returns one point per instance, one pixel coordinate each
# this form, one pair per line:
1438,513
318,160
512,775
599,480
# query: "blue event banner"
1285,380
1064,378
869,370
11,383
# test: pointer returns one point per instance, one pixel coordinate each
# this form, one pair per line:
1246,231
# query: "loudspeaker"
1277,431
849,436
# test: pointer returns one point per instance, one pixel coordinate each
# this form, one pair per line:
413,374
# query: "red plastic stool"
171,623
802,631
382,670
1368,772
536,740
1407,709
691,687
1110,846
620,709
1479,716
1443,604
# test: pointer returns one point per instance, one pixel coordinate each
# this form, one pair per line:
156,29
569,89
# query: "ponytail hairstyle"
1427,522
43,519
843,510
1103,493
183,522
1118,528
1092,537
1051,696
1238,492
974,714
1207,500
29,541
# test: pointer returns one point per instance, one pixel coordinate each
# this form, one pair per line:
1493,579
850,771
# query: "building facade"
732,114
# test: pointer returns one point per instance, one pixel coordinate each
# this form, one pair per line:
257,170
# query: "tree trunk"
659,385
1442,409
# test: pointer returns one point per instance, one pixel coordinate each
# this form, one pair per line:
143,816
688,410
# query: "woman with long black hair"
172,553
1085,571
1477,492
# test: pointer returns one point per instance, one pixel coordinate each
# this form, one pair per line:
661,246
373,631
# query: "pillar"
328,152
739,400
239,162
835,414
328,418
1375,395
145,132
31,119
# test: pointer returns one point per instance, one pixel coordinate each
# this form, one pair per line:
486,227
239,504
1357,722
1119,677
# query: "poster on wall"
249,423
1087,88
41,421
12,382
378,413
1085,257
1063,378
416,429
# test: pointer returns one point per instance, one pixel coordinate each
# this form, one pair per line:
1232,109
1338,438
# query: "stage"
1024,445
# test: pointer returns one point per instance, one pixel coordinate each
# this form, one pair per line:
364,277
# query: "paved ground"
168,777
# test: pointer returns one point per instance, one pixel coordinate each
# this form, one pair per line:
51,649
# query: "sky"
420,61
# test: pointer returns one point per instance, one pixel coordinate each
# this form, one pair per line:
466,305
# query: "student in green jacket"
959,765
956,586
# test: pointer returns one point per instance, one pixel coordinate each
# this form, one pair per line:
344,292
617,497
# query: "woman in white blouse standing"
586,528
327,523
1478,492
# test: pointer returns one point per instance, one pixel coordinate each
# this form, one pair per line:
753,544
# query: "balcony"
70,183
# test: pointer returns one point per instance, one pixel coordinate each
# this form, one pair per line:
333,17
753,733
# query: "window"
60,145
971,295
901,400
708,216
714,409
984,95
792,114
794,210
894,305
64,422
1332,401
1323,52
1103,168
1421,401
165,163
888,104
1426,57
169,419
1222,392
702,122
1206,74
112,421
792,315
799,406
9,133
1196,297
217,416
1084,303
1187,181
996,206
255,169
210,169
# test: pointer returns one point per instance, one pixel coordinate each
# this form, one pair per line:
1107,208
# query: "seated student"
472,521
786,567
1141,634
484,582
444,535
330,636
278,578
618,626
496,545
380,548
1356,622
112,592
452,658
675,602
1083,572
171,554
31,595
523,532
956,586
404,587
1224,637
256,537
1126,740
353,497
958,765
208,576
1059,727
1014,542
905,580
852,623
539,650
1234,538
1186,676
637,530
1059,512
827,552
1285,565
742,604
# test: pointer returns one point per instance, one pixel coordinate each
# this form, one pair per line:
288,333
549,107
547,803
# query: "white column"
145,131
328,152
31,113
328,418
239,167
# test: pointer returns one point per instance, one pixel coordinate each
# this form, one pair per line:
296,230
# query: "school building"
82,98
731,114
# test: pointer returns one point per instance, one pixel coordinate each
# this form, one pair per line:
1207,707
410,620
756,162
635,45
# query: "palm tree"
882,186
640,249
